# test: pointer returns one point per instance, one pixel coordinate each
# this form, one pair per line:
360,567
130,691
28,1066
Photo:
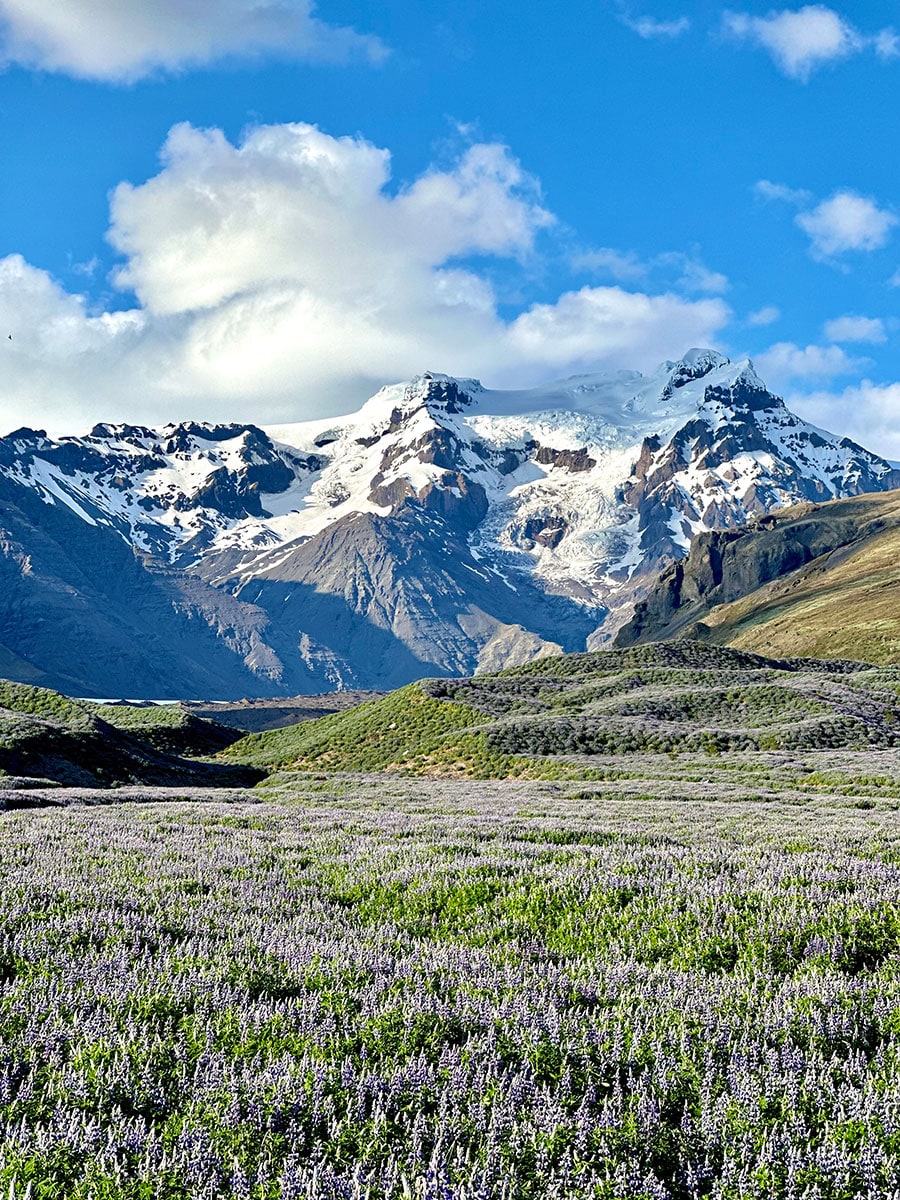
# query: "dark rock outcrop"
727,565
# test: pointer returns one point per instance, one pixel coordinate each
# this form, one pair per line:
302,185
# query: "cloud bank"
785,362
866,412
123,40
284,277
855,329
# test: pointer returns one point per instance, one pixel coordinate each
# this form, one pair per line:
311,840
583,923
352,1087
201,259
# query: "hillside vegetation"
552,716
170,728
46,735
821,580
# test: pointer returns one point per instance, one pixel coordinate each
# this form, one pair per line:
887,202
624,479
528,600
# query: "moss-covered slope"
47,735
170,728
547,717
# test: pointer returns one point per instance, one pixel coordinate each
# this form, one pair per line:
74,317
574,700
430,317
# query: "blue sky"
234,210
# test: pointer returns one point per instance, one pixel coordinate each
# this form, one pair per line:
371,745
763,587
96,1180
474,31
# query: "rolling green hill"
169,728
46,735
820,580
552,716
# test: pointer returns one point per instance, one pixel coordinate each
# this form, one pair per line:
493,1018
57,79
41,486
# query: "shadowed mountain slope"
820,580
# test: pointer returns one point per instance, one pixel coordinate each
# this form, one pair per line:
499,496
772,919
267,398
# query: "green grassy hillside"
47,735
552,716
846,606
410,729
170,728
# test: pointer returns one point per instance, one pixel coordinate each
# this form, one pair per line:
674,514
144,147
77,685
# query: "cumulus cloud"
650,27
846,221
285,277
765,189
696,277
56,355
123,40
855,329
800,41
623,265
866,412
568,332
294,204
764,316
785,362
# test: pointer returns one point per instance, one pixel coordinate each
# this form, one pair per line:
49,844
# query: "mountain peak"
442,393
437,527
703,359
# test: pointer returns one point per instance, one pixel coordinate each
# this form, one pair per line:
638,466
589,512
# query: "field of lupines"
680,981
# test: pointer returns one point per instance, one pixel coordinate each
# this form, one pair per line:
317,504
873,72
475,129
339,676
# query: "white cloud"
887,44
786,361
623,265
649,27
855,329
799,41
55,355
765,189
846,221
294,204
123,40
695,276
568,333
283,277
867,412
764,316
673,268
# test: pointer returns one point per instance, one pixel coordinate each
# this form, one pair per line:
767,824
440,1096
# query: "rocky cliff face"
834,557
442,529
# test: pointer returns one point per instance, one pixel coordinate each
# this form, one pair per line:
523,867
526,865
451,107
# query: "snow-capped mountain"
443,528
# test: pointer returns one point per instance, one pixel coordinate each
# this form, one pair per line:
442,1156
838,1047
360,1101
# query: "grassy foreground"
455,990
